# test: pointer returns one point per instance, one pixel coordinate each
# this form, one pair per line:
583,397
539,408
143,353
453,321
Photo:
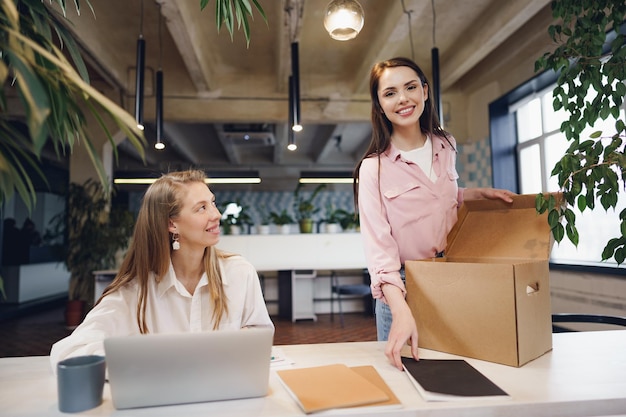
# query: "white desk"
584,375
298,251
297,257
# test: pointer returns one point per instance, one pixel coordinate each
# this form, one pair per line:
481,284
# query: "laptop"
163,369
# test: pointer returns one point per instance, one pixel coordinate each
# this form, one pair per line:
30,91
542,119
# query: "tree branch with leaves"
590,56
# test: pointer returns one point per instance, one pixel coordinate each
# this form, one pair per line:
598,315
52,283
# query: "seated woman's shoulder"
232,260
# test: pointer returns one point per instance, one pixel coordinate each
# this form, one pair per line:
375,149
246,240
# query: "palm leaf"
52,90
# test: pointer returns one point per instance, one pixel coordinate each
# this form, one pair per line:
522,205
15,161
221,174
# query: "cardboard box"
489,297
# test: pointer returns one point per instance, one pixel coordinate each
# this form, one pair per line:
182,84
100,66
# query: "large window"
540,144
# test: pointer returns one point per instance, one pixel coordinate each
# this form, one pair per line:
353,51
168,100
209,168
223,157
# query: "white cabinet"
302,291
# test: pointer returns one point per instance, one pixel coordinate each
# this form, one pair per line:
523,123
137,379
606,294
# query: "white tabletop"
584,375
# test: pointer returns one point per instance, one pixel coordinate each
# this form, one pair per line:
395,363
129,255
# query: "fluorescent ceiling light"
245,177
326,177
233,180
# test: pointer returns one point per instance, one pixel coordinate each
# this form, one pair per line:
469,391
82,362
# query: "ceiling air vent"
249,134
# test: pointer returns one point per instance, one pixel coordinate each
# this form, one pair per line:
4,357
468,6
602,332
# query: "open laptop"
163,369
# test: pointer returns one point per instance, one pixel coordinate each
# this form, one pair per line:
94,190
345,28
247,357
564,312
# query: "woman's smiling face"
402,96
198,223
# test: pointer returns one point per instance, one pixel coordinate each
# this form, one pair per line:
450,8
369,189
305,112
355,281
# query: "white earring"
175,243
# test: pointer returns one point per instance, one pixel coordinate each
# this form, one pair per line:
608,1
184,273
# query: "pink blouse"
403,214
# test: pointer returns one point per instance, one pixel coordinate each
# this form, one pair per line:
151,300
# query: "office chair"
584,318
345,291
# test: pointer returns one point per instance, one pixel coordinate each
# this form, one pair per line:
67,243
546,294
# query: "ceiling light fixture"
344,19
139,75
434,56
291,134
159,145
295,84
232,177
326,177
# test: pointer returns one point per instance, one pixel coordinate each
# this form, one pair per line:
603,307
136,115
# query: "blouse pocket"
397,191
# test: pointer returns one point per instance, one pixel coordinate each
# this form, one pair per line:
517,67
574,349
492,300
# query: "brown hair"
382,128
150,247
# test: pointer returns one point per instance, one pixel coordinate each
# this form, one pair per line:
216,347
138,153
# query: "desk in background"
584,375
298,251
297,257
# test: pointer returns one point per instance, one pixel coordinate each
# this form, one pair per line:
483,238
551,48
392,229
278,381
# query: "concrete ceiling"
215,89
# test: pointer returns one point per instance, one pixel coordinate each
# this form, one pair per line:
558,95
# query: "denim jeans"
383,316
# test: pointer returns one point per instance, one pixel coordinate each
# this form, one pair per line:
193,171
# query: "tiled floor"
33,334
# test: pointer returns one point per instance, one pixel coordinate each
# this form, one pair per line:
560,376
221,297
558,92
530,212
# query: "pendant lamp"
295,84
291,134
139,76
344,19
159,95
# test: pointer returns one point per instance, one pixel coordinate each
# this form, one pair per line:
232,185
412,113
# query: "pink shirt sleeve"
381,249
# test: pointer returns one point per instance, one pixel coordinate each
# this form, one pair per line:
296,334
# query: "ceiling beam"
491,29
291,16
390,37
184,23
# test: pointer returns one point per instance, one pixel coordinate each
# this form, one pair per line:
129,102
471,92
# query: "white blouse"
170,309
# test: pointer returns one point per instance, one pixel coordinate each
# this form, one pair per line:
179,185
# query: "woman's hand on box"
488,194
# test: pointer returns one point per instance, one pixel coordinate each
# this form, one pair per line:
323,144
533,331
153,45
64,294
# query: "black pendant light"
139,79
434,56
295,84
159,95
291,134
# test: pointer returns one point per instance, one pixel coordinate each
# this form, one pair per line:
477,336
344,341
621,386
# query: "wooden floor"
34,333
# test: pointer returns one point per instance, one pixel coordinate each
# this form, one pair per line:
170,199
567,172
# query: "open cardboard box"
489,297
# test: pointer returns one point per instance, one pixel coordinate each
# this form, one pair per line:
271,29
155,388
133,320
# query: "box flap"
494,229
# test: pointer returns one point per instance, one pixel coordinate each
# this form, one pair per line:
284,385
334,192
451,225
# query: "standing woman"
406,193
172,279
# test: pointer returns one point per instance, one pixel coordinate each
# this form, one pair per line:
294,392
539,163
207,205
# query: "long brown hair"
382,128
150,247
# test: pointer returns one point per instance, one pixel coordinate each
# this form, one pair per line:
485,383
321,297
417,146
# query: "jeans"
383,315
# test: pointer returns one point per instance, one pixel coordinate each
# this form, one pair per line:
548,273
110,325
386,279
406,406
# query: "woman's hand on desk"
403,327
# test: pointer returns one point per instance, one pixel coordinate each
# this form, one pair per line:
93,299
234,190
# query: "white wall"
588,293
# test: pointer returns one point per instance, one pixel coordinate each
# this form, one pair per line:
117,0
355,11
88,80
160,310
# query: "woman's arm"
110,317
403,327
488,193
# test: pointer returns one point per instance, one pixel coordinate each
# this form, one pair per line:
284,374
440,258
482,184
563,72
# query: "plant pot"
263,229
284,229
74,313
306,226
235,229
332,228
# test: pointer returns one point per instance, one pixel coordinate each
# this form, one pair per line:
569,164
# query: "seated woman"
172,279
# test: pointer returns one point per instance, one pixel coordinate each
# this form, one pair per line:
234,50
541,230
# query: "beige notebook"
332,386
372,375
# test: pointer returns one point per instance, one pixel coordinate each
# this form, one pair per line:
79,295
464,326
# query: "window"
540,144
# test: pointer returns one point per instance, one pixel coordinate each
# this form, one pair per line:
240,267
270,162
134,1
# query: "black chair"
584,318
339,292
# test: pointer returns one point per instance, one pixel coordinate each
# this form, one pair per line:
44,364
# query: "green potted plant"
332,218
305,208
263,228
349,221
235,218
593,169
95,233
32,42
282,220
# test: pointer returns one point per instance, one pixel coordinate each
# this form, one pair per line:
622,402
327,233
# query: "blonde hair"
150,247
